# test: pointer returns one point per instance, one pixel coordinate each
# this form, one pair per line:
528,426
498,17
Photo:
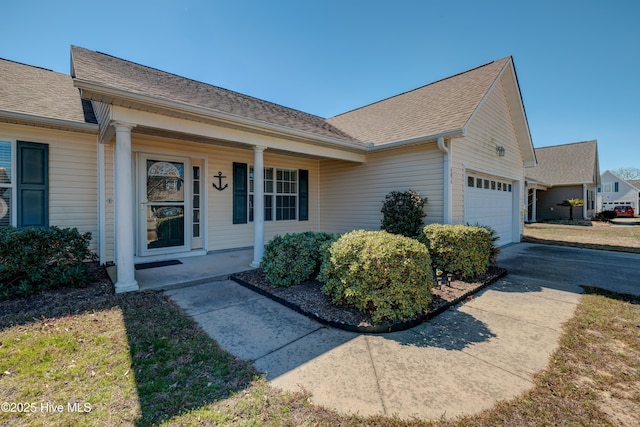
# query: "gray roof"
566,164
634,182
440,107
114,73
25,89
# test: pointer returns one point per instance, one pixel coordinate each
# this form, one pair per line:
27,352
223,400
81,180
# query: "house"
614,191
567,171
158,166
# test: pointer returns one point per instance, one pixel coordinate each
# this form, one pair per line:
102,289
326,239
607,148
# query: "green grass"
137,359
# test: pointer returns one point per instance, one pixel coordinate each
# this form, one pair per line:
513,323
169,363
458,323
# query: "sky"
577,62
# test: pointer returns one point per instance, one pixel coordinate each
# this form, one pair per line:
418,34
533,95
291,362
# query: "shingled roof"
34,91
437,108
109,72
567,164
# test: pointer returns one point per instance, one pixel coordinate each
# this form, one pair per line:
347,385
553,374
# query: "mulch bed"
307,298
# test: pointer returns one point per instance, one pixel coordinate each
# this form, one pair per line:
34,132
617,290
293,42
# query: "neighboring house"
568,171
176,167
615,191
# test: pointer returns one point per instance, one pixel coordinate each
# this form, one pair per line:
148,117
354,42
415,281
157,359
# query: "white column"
585,208
258,205
534,208
124,210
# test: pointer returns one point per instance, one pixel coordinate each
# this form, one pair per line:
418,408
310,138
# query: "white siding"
352,194
491,126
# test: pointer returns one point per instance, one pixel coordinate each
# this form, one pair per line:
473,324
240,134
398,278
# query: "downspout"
102,245
446,181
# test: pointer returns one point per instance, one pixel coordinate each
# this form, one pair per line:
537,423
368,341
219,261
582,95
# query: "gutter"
21,118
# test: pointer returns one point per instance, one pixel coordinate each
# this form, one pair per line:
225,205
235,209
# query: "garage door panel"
490,206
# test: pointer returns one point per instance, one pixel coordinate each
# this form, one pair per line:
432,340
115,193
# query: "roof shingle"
566,164
35,91
116,73
439,107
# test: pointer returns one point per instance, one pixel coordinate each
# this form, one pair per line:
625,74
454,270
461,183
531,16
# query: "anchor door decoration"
220,177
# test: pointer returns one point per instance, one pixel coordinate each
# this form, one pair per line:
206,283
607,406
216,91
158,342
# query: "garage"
489,201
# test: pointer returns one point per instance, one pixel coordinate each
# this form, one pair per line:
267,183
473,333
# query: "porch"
189,271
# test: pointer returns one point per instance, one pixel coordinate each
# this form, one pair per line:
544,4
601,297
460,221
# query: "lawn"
94,358
598,235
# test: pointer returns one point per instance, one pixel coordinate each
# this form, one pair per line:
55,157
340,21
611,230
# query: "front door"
164,203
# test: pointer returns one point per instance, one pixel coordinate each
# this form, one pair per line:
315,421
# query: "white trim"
50,122
258,205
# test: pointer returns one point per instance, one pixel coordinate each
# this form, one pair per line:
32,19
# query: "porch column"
534,208
585,207
258,205
124,210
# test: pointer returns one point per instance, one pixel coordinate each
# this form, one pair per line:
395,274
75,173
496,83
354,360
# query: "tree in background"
572,203
627,173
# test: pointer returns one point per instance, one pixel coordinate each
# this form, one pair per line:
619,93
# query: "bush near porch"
385,275
33,259
458,249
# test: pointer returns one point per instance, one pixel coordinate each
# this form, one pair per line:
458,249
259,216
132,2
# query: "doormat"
145,265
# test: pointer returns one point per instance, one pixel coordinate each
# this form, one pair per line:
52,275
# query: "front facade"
615,191
166,167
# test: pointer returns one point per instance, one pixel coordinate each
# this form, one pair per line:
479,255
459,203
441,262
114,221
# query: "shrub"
607,215
294,258
458,249
34,259
402,213
385,275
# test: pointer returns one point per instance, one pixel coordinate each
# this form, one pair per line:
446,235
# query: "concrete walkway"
461,362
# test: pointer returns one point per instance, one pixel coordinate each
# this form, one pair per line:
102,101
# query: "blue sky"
578,62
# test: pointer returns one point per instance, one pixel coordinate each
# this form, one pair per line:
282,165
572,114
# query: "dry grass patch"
600,235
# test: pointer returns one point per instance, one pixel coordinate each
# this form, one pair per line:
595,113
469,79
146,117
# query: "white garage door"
489,201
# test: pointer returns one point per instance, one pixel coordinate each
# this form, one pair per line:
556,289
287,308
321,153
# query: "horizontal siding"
490,127
352,194
72,176
221,232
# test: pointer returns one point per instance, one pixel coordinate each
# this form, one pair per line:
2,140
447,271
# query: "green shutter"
303,213
33,184
240,193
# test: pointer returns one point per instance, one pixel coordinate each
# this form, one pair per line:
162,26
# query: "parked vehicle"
624,211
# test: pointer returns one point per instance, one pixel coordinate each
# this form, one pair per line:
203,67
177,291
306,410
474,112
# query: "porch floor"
193,270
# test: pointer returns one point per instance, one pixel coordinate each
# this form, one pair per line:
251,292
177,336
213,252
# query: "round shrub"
458,249
385,275
294,258
402,213
33,259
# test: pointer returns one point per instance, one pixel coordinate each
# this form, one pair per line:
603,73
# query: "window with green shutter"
240,193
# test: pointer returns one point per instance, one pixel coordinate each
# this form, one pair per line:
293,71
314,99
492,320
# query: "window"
286,194
6,182
24,179
470,181
196,202
268,194
606,187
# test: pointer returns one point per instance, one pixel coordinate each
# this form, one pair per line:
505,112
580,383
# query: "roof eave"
48,122
89,89
455,133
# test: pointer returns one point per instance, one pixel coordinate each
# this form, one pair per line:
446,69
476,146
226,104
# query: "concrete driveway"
461,362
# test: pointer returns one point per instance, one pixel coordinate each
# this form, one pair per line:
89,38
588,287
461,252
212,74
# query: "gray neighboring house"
567,171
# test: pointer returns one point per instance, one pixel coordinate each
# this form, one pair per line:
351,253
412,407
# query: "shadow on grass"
177,367
597,246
